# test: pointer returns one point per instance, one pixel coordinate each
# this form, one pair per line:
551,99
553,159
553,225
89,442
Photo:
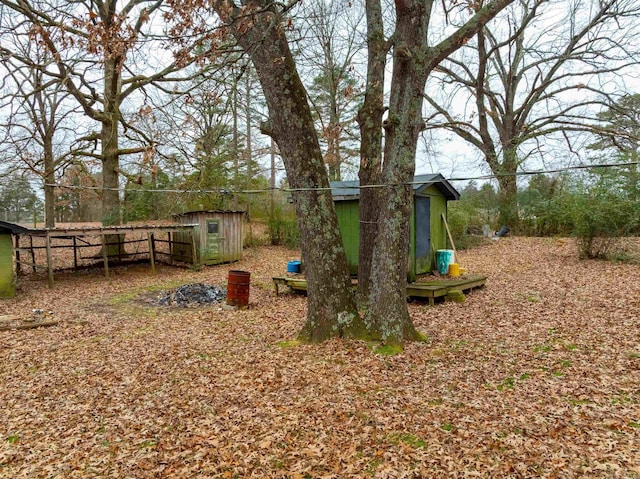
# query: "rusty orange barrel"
238,288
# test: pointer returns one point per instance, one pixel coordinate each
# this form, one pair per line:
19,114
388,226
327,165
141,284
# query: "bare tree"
106,54
542,70
332,42
39,122
415,55
260,30
202,113
215,114
620,138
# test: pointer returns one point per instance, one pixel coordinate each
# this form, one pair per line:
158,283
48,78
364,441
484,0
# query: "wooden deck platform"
421,289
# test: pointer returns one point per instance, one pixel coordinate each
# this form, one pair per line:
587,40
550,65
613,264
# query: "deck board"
422,289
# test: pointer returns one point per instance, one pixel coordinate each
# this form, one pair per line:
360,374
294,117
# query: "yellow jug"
454,270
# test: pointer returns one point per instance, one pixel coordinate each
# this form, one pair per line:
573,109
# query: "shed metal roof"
206,212
349,190
12,228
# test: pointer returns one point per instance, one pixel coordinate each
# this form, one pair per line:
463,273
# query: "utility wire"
354,186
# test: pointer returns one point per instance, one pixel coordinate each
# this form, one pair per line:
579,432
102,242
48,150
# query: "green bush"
599,220
597,207
253,238
458,219
283,230
551,217
596,210
460,216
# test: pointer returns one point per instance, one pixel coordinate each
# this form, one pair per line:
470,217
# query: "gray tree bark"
331,305
370,122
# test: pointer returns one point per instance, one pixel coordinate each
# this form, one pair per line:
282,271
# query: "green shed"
7,268
430,196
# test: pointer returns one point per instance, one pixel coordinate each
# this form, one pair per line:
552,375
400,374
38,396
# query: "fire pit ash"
191,295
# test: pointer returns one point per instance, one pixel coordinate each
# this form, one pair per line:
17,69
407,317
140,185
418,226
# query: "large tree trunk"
508,190
235,144
111,214
49,191
370,122
110,194
331,305
508,202
109,144
334,161
388,316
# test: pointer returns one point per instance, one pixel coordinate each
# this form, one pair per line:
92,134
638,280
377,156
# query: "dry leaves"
536,375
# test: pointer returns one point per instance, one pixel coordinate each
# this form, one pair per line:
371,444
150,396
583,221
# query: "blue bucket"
293,266
444,257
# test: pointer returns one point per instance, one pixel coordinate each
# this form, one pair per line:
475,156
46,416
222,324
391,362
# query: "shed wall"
180,248
230,237
7,272
438,232
349,222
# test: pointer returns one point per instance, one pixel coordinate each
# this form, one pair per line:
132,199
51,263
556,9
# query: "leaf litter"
505,387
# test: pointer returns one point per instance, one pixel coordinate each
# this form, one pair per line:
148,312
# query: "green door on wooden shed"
212,252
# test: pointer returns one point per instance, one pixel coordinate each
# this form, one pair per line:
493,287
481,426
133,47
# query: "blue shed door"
423,234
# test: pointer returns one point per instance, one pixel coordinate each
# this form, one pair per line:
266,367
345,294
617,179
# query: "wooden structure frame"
77,238
422,289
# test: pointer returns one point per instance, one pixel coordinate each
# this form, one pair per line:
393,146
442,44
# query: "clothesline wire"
346,185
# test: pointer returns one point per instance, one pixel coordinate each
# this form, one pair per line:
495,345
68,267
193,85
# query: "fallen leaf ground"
536,375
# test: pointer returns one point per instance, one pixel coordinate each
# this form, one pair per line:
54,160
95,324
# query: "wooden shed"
7,268
430,196
219,236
